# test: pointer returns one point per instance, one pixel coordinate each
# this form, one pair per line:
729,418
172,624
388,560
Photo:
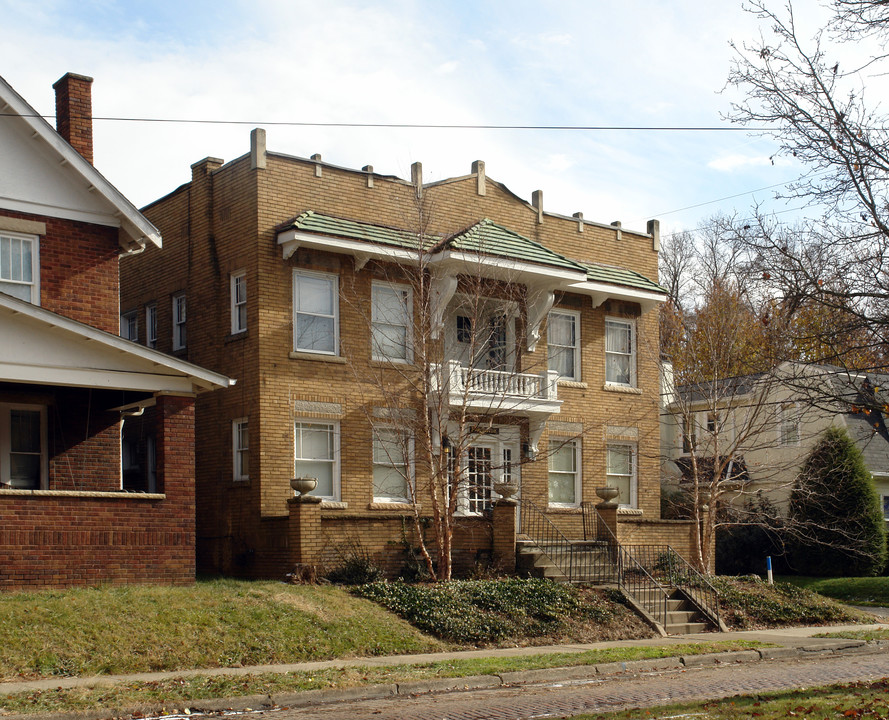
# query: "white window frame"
408,300
506,438
558,443
789,419
335,281
151,325
408,467
129,326
575,349
6,443
239,450
34,282
631,324
238,302
180,317
335,462
634,471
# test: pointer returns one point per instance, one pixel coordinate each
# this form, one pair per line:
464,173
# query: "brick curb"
476,682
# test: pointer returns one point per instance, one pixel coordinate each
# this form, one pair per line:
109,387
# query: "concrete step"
686,628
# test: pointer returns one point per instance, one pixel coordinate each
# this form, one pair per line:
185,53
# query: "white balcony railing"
498,390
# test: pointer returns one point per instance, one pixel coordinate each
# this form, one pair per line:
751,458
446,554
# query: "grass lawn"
854,700
217,623
178,693
873,591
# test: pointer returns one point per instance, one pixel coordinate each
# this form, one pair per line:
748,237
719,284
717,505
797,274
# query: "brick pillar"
608,513
304,530
175,474
504,520
74,112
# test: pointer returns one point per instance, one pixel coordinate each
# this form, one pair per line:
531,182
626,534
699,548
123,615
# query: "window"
129,326
564,472
620,355
240,450
563,343
392,451
315,313
239,301
464,329
22,446
317,456
621,471
179,336
19,266
885,502
151,325
480,479
391,307
789,424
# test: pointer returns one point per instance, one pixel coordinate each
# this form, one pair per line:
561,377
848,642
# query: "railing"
595,561
542,386
666,565
663,564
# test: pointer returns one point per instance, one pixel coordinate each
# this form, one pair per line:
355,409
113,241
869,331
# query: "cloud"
447,68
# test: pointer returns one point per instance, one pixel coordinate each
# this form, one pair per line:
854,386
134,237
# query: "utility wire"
423,126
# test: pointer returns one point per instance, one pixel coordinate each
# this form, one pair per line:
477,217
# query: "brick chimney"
74,112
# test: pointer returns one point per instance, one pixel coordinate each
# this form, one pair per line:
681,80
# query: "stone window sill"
563,510
573,384
121,495
393,506
334,505
625,389
317,357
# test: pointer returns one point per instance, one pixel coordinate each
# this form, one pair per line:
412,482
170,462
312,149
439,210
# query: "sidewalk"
790,641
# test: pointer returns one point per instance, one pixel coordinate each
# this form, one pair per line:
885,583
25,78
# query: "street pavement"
798,660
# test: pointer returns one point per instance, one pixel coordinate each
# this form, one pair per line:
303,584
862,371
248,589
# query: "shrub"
479,611
356,566
747,535
836,509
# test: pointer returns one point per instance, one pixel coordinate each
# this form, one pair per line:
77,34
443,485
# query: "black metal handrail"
598,559
667,565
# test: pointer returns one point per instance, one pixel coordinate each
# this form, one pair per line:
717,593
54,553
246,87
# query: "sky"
486,62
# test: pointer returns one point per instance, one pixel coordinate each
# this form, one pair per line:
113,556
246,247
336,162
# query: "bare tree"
455,400
810,94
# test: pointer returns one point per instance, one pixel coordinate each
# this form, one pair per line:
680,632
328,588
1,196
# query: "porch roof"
40,346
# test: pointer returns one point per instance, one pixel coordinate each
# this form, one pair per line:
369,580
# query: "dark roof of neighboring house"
735,470
720,389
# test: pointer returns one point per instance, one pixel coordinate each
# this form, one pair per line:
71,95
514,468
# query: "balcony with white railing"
500,391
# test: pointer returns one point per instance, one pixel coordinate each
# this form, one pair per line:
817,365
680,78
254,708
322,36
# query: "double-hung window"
22,446
620,352
563,343
19,266
391,322
129,326
179,336
315,312
151,325
620,471
789,424
564,472
238,301
317,453
392,471
240,450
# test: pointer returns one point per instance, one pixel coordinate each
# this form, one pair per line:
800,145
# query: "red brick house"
96,432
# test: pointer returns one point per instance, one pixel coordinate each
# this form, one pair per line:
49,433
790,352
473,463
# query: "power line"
422,126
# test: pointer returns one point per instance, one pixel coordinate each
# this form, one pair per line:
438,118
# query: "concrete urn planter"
303,485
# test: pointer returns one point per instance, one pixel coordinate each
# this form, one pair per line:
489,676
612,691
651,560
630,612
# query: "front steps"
593,564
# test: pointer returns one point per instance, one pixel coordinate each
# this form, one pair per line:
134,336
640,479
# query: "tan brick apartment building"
96,433
330,293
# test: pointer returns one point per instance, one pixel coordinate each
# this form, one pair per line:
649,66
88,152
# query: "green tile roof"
313,222
486,237
620,276
489,238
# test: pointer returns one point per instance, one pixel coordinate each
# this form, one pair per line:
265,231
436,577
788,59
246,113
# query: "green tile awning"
484,237
489,238
313,222
611,275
